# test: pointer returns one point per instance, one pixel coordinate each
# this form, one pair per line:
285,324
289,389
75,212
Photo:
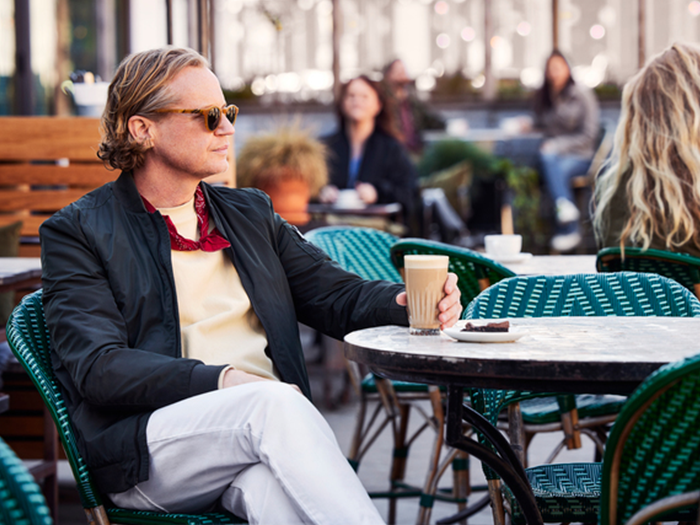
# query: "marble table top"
566,354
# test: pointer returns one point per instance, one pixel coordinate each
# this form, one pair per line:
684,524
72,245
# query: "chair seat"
138,517
543,410
369,385
565,492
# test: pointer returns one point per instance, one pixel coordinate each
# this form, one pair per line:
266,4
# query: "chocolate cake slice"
489,327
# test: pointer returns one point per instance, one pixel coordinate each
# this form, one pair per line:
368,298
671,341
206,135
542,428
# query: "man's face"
182,144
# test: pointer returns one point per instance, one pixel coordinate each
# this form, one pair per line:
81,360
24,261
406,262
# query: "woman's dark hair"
543,96
388,66
385,120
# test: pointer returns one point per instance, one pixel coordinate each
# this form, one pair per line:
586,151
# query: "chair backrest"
681,267
364,251
28,337
21,500
475,272
620,294
654,447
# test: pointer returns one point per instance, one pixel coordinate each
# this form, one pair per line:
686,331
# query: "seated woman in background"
649,196
568,114
365,153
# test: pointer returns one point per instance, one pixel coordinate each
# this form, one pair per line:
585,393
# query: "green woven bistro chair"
651,467
28,337
366,252
475,272
614,294
21,500
681,267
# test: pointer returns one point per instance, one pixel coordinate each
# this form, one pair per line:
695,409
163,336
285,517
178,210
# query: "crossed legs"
261,448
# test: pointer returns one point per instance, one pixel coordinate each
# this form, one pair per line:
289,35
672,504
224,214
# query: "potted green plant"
287,164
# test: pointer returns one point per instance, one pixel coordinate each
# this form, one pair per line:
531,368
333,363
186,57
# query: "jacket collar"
125,191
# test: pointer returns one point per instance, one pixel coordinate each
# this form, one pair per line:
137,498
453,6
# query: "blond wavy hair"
289,152
139,87
656,154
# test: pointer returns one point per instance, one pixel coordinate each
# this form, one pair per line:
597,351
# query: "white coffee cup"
349,198
503,245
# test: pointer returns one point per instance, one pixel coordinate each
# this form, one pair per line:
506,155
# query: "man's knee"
275,396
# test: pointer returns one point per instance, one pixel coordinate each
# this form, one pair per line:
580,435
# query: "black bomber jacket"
111,308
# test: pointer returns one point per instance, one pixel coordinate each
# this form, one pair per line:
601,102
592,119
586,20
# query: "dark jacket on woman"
385,165
617,215
111,308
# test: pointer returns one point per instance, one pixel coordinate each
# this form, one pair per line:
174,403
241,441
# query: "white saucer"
513,334
511,259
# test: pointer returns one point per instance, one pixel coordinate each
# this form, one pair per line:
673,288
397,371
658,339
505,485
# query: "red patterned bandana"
208,241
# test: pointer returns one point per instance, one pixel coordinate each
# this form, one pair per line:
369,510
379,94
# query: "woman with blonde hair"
649,195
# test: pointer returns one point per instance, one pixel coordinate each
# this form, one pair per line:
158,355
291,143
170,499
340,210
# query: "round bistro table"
610,355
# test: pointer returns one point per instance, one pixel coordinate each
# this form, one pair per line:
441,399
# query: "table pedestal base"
507,465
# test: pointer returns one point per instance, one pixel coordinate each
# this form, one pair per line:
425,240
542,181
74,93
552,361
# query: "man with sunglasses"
173,305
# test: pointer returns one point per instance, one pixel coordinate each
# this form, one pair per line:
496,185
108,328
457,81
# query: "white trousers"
261,448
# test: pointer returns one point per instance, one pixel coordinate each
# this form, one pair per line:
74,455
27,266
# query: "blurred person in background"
568,115
365,153
649,195
412,115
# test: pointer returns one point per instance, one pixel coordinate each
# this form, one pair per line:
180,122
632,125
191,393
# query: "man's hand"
328,194
235,377
449,306
548,147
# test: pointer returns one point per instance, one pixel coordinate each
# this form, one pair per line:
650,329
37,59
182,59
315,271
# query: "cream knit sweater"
218,324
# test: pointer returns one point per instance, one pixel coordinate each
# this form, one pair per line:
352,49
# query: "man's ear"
141,129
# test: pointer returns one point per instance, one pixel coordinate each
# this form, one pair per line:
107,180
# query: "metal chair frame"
651,467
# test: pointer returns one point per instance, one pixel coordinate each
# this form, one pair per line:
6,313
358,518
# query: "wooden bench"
48,162
45,164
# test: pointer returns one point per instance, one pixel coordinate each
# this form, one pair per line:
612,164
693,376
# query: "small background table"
554,265
17,273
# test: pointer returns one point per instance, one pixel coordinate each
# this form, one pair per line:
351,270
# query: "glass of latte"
425,277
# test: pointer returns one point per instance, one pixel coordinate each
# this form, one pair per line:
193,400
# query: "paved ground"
374,470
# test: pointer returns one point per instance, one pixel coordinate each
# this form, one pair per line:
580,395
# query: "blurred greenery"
452,164
608,91
446,153
83,42
245,94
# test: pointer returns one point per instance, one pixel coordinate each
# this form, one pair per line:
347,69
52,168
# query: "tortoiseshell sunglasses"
212,115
